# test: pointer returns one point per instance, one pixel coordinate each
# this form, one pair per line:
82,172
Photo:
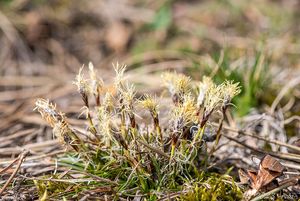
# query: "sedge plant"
134,157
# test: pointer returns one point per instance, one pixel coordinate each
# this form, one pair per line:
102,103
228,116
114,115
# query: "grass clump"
139,159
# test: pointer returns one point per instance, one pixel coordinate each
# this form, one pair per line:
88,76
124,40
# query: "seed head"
128,96
96,83
229,90
213,98
185,113
61,129
48,112
150,103
108,102
105,121
177,84
119,79
202,88
82,83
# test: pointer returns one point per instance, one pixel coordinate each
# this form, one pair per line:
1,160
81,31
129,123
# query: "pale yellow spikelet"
96,82
119,78
92,72
150,103
229,90
60,130
186,112
48,111
176,83
82,83
104,124
108,102
189,107
128,96
85,111
202,89
183,83
213,98
57,120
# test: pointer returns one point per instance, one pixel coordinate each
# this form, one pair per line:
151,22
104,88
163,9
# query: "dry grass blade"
267,194
292,147
9,166
21,158
72,181
155,150
288,157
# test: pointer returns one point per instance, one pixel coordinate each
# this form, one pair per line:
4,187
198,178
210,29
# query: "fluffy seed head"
202,88
213,98
229,90
60,131
150,103
119,79
108,102
128,96
185,113
48,112
105,120
178,84
57,120
82,83
96,83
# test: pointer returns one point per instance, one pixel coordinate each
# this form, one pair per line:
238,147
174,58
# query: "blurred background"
43,43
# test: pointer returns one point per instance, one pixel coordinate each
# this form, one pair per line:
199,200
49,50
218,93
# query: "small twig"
97,178
21,159
213,149
260,197
293,166
291,84
71,181
31,158
278,155
155,150
9,166
292,147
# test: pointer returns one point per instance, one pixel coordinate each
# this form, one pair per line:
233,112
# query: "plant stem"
199,135
22,157
260,197
218,133
157,127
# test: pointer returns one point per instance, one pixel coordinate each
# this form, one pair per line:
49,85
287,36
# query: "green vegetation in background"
5,2
253,79
162,21
163,17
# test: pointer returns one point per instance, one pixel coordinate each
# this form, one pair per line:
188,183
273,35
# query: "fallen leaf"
269,169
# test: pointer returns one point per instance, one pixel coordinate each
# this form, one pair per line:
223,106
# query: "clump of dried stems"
152,158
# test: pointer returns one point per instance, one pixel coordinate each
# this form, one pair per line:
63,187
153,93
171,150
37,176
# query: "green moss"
48,188
213,187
